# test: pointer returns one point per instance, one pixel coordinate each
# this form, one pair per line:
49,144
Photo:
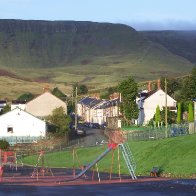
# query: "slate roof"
18,102
109,103
2,102
90,102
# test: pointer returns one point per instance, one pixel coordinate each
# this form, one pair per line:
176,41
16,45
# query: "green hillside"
182,43
96,54
176,157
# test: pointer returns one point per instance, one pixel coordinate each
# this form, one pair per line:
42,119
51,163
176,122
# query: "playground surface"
21,182
25,185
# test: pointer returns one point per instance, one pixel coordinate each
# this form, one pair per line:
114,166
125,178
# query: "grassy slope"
181,43
96,54
175,155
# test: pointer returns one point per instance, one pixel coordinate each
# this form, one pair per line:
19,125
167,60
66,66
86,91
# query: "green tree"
188,91
81,89
158,115
190,113
58,93
60,120
26,97
108,92
173,85
171,116
4,144
129,91
6,109
179,113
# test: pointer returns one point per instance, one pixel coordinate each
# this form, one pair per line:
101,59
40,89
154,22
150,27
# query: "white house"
148,101
85,108
96,110
20,123
18,104
3,103
44,104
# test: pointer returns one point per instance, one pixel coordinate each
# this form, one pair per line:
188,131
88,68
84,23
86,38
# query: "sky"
140,14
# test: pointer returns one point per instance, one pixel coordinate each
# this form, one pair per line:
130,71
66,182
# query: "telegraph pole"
166,135
76,111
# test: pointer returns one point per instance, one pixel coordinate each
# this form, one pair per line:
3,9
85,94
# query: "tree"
179,113
158,115
172,85
188,91
60,120
6,109
190,113
26,97
58,93
171,116
4,144
108,92
128,89
81,89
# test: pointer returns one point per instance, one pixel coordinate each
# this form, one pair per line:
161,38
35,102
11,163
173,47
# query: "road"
160,188
93,137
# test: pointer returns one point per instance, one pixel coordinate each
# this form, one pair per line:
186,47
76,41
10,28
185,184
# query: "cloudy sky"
140,14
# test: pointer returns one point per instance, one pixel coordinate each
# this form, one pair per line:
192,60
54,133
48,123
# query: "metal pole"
76,112
194,115
166,134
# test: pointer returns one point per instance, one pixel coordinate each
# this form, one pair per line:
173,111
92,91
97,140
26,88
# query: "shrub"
4,144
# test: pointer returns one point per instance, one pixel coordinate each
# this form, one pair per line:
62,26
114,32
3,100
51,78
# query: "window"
10,129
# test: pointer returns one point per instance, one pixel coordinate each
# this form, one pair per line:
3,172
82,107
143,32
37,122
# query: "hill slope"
96,54
182,43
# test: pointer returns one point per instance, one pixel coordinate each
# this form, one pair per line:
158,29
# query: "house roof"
19,109
47,92
90,102
109,103
18,102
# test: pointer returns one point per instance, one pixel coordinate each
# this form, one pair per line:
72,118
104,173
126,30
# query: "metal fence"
21,139
155,133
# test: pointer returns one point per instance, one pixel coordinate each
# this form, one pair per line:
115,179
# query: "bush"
4,144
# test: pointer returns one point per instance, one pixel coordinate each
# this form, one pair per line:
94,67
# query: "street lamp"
194,100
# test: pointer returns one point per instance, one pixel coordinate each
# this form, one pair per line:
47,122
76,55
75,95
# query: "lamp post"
194,100
166,134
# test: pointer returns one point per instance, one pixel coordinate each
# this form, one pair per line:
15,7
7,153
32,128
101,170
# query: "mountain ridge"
96,54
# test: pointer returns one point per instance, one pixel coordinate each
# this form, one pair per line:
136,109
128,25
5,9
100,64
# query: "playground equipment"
116,140
41,168
10,158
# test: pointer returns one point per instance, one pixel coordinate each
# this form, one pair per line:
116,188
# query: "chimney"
46,89
149,86
158,84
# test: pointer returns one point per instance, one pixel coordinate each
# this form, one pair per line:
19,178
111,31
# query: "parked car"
80,132
95,125
103,126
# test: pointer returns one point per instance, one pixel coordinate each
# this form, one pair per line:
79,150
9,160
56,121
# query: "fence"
21,139
155,133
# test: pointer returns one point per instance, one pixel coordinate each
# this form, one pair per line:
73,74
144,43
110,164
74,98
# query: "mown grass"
176,156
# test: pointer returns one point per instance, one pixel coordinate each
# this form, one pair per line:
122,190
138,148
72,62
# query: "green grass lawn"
176,156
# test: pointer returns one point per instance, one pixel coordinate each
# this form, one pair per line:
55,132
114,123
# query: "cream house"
148,101
44,104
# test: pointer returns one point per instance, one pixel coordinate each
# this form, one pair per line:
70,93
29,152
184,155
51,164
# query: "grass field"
100,73
176,156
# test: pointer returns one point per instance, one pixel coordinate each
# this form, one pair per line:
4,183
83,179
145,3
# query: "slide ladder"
129,160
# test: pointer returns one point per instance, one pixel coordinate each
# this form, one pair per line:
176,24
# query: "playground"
80,172
13,170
